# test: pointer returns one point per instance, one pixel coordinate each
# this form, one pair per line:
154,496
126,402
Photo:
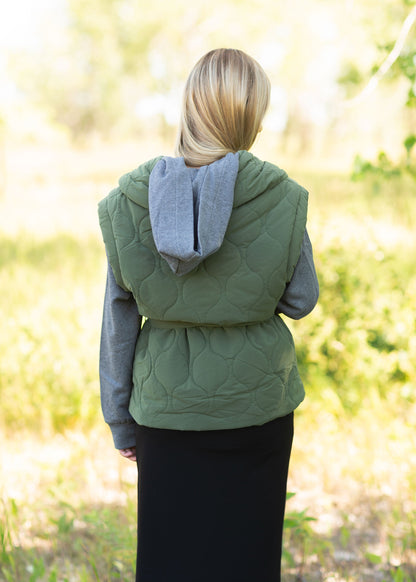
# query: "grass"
51,315
67,509
51,532
68,504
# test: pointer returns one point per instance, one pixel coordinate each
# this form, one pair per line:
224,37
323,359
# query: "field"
67,498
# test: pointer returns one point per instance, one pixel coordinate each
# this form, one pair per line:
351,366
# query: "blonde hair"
225,99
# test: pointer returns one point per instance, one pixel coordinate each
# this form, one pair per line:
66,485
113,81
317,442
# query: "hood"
190,209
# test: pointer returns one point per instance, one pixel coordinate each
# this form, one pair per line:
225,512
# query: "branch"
388,62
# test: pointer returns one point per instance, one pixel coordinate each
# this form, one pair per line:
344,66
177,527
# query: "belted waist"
164,324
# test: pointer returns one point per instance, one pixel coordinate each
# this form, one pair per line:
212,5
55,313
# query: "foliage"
359,339
384,168
95,543
300,541
402,69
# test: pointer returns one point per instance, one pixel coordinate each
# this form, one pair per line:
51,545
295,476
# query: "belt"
163,324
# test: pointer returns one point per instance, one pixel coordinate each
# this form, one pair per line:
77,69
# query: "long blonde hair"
225,99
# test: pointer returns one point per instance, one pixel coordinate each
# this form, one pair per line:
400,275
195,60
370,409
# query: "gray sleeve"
120,330
302,292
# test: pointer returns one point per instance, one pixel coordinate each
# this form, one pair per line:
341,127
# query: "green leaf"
373,558
290,523
409,142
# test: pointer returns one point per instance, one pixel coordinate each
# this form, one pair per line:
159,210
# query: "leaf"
290,523
288,557
409,142
373,558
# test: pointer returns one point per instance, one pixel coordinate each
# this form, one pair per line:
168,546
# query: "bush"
360,339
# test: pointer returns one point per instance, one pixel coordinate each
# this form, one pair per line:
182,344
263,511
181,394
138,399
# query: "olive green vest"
212,354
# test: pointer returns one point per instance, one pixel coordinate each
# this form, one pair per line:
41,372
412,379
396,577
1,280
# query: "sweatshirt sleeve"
302,292
120,329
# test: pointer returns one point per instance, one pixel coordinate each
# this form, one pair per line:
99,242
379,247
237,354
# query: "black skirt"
211,503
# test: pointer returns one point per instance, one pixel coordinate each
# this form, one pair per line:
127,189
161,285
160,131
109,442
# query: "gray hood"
190,209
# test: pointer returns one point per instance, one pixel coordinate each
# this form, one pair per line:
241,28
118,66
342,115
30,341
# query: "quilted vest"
212,353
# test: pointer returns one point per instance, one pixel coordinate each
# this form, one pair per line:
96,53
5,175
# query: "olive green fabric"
212,354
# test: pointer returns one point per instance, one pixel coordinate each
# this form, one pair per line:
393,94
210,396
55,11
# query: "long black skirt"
211,503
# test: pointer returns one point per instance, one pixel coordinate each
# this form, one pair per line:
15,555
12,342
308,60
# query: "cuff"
124,434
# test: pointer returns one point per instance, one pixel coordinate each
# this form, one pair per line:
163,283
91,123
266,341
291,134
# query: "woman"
209,246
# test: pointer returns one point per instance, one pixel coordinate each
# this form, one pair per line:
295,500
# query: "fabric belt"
163,324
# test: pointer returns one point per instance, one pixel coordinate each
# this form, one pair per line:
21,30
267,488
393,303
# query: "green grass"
50,311
85,543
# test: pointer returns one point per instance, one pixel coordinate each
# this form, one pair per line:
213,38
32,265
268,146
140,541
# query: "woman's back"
242,281
212,354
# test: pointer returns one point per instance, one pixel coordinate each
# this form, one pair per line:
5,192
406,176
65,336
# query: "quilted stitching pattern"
209,378
220,375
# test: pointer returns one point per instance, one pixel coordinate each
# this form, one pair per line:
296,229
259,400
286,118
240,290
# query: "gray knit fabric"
190,209
302,293
119,332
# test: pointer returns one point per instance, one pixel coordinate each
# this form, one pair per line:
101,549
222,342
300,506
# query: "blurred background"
90,90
